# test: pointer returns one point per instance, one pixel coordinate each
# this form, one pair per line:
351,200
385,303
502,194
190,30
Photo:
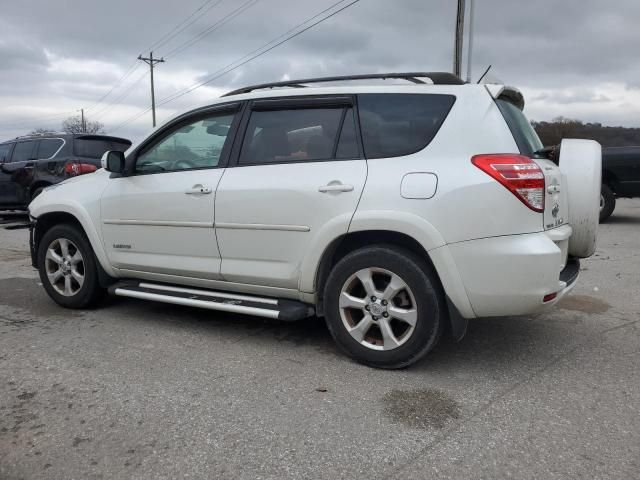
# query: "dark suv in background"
29,164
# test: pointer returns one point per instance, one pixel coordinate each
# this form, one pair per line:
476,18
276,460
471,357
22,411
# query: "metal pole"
153,94
470,48
457,50
152,62
82,124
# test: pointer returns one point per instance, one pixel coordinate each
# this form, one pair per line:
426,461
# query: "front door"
159,217
297,177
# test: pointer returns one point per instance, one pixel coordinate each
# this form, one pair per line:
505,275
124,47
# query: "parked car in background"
620,177
29,164
393,211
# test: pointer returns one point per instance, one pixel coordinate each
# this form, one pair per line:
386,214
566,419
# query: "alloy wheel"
378,309
64,266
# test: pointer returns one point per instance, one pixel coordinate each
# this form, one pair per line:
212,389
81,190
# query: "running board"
285,310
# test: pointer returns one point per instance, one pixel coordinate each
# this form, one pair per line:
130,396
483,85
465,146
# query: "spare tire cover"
581,165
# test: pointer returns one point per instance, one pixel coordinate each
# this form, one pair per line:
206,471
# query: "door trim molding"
262,226
158,223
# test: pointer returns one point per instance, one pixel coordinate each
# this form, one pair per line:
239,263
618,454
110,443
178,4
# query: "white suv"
394,211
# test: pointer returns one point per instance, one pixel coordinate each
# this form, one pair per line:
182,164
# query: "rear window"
95,148
394,125
523,133
48,147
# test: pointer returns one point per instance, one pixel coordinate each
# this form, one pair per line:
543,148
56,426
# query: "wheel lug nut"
375,318
373,299
385,314
366,307
384,302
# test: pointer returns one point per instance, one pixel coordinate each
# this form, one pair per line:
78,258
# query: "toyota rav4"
393,211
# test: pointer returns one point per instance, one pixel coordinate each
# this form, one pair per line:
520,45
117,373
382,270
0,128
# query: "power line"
212,28
170,35
122,96
132,68
261,51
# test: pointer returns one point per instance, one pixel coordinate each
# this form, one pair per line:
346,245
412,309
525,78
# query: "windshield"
525,136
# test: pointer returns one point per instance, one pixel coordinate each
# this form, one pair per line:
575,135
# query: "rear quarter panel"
468,204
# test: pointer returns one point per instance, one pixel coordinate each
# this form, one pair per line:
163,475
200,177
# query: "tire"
53,264
581,164
422,303
36,192
607,202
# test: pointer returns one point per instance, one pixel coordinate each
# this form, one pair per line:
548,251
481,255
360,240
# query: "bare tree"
41,131
74,125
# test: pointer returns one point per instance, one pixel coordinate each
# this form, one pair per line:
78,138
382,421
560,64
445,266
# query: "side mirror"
113,161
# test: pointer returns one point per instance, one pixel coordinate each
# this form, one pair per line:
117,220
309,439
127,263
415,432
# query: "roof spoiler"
510,94
85,136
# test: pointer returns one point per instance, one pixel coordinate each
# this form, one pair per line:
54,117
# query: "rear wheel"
67,267
383,307
607,202
36,192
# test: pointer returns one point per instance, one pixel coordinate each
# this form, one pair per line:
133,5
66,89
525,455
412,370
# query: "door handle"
335,187
198,190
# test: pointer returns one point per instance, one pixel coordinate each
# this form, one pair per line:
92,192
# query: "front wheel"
67,267
383,306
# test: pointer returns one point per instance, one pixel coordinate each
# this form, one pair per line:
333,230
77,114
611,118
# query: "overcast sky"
575,58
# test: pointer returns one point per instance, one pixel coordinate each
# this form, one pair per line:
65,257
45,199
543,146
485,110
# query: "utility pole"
152,62
82,124
457,48
470,46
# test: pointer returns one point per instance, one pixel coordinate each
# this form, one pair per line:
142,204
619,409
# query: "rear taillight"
519,174
76,168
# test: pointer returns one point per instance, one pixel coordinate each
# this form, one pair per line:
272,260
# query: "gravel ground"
149,391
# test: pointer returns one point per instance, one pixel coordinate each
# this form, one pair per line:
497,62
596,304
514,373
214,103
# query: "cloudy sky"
575,58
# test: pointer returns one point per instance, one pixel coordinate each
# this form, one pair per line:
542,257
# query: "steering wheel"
183,165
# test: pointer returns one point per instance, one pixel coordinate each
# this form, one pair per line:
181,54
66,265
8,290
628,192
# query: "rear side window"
5,150
48,147
394,125
95,148
523,133
23,151
312,134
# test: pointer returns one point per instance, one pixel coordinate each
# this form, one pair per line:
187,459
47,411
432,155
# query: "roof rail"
437,78
44,134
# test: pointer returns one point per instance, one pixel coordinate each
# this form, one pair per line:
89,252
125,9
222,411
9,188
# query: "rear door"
298,175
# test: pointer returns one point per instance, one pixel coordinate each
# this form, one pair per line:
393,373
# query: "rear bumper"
511,275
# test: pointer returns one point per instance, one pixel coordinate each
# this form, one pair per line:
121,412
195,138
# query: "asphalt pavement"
149,391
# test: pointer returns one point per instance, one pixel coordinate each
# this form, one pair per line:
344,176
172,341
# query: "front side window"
195,145
311,134
49,147
23,151
395,125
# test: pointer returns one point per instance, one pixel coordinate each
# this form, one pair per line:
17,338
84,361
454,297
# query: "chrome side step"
286,310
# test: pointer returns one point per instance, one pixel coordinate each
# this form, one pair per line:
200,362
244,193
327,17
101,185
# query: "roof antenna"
484,74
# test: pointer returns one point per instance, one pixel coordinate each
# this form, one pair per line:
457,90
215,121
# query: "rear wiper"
550,153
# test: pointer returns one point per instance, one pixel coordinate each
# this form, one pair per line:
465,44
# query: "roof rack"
437,78
45,134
